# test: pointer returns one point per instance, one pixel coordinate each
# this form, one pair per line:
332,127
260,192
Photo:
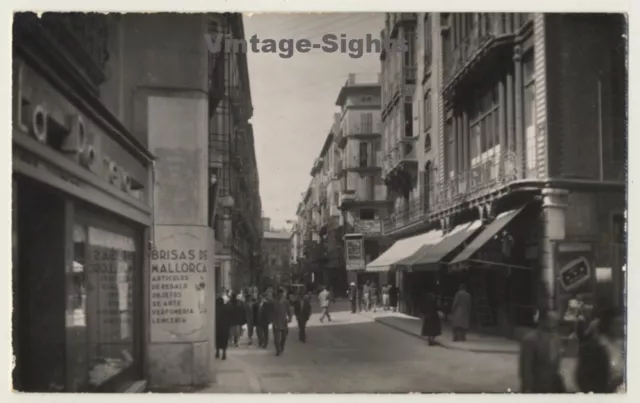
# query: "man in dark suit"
302,309
264,318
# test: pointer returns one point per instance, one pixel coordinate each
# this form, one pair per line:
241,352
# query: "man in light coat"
460,311
324,298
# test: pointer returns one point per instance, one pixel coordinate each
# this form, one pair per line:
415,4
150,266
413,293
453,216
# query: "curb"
446,345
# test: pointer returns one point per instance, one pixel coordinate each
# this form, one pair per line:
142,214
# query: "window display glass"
100,308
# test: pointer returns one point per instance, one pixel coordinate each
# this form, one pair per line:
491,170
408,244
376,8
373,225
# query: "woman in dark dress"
222,328
431,327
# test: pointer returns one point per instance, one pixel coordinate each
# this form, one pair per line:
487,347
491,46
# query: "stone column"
554,205
510,137
182,275
502,117
519,110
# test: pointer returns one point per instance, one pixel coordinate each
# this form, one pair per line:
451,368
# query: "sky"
294,98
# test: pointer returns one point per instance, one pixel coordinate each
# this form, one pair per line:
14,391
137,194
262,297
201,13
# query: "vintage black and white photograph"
334,202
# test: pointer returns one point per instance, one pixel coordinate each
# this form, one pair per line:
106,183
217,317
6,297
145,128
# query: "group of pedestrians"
235,311
369,296
433,313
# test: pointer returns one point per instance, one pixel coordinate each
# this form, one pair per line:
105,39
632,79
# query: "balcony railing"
374,128
485,30
364,163
480,180
402,152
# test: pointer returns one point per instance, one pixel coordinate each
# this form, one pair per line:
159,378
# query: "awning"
430,254
401,250
489,232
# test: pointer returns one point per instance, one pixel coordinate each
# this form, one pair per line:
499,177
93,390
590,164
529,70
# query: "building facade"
276,268
488,175
363,196
111,178
237,209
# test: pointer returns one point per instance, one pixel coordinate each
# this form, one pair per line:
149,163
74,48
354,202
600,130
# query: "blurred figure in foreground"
541,356
601,355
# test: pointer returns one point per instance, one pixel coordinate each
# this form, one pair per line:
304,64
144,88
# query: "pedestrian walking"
226,295
601,358
385,297
302,310
265,316
250,307
236,318
374,296
460,311
222,328
353,296
366,295
541,356
431,326
281,317
393,297
324,299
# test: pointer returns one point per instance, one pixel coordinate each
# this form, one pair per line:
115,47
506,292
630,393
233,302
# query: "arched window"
427,142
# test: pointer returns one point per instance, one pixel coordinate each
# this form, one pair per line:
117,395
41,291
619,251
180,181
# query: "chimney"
266,224
352,79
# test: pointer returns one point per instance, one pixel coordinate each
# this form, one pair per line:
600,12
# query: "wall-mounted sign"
354,252
180,263
368,227
575,273
48,117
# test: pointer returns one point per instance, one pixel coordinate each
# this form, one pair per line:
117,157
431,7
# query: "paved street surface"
355,354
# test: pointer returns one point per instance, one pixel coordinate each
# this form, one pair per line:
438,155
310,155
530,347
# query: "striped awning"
402,249
431,254
487,233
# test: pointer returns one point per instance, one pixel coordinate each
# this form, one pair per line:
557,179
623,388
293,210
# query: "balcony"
351,198
317,166
363,164
340,139
486,179
368,227
372,131
411,213
241,103
490,36
402,157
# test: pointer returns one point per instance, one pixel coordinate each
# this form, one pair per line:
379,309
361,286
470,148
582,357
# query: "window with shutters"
408,120
427,142
428,43
363,158
366,123
484,123
427,110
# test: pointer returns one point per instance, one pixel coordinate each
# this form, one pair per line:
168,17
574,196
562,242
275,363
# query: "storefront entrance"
77,280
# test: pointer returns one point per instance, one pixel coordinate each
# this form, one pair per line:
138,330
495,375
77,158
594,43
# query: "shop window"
100,307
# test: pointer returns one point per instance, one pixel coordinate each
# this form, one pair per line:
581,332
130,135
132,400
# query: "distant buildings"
346,194
276,267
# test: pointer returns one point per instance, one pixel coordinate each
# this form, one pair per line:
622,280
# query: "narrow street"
354,354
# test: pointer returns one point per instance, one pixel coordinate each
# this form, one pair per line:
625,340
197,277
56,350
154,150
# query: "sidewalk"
476,342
